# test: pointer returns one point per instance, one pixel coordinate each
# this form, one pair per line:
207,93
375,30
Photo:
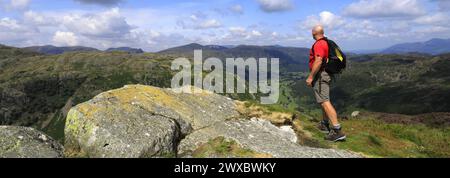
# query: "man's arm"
315,69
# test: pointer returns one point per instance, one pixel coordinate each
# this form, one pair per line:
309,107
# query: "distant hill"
34,88
187,50
50,49
7,52
126,49
365,51
217,47
433,46
37,90
291,58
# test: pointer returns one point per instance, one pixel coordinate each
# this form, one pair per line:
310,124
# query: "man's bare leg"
330,113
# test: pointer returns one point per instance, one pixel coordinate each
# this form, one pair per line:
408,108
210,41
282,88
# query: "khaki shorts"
321,86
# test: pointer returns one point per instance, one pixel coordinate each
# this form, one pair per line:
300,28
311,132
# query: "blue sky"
155,25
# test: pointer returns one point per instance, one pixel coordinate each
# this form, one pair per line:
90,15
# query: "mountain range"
291,58
434,46
52,50
126,49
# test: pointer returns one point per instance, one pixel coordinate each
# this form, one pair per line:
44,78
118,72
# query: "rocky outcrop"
261,136
23,142
140,121
144,121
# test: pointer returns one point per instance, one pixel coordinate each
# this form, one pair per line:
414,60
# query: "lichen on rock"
23,142
140,121
143,121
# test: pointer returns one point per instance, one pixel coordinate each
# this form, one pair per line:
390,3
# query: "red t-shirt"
320,50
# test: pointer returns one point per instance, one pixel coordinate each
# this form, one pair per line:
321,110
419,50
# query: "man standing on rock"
320,81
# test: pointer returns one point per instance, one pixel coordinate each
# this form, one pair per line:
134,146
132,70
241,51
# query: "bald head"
318,29
318,32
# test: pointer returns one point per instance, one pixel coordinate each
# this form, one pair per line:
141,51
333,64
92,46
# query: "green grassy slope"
376,138
371,135
38,90
291,58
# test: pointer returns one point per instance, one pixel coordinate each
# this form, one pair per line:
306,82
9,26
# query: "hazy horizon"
359,51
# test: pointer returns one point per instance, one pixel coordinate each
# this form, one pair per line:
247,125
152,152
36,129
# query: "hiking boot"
324,127
335,136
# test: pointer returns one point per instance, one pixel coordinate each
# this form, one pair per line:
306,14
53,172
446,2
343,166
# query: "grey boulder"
24,142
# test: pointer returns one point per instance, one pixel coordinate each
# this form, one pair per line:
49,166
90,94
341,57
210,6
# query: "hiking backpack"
336,61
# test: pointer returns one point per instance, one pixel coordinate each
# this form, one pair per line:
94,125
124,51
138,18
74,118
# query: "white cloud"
14,4
8,24
362,29
97,29
155,41
199,21
17,33
432,30
252,35
354,29
256,33
325,18
65,39
212,23
37,19
13,29
193,17
19,4
243,33
238,31
434,19
275,5
101,30
108,24
384,8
